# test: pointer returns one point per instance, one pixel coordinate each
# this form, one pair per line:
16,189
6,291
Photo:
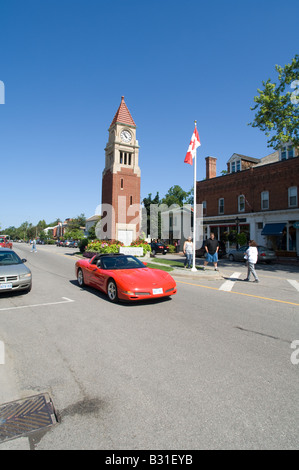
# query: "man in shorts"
212,247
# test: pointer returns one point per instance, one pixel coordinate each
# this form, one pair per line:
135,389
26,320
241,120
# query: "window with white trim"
287,151
221,205
241,203
292,196
265,200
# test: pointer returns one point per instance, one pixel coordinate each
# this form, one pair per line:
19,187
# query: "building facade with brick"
121,180
256,196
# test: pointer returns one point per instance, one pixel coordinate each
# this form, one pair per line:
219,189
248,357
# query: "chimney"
210,167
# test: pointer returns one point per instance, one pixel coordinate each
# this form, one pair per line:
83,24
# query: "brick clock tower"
121,180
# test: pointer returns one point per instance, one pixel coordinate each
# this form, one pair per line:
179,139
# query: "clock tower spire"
121,179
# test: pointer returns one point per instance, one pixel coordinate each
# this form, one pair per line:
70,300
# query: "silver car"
264,254
14,275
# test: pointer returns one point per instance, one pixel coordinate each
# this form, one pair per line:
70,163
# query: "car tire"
231,258
112,291
80,278
153,252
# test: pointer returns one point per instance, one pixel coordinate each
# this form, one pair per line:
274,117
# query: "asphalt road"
211,368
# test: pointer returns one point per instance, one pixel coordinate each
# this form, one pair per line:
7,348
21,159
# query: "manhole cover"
25,416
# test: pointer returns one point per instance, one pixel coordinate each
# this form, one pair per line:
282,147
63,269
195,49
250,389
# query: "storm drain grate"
21,417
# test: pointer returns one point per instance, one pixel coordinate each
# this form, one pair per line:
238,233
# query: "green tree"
175,195
277,111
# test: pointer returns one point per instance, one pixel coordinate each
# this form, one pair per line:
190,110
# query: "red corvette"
124,277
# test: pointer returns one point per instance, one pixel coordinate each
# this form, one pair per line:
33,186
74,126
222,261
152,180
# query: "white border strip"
294,284
228,285
65,301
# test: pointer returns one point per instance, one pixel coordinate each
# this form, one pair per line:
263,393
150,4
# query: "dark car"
158,247
73,244
264,254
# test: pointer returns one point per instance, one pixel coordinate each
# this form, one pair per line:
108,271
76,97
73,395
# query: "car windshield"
120,262
6,259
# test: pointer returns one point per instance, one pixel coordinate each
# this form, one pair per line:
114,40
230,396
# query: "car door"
97,275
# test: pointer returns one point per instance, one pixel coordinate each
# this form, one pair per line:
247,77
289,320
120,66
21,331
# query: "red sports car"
124,277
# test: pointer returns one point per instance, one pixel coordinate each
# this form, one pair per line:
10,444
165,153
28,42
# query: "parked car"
5,242
264,254
14,275
73,244
158,247
124,277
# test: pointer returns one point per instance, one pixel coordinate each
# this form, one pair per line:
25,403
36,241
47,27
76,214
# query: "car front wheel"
231,258
112,291
80,278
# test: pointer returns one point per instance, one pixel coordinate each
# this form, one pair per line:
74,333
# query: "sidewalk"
209,273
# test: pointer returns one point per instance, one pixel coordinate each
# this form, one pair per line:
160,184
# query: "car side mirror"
23,260
145,264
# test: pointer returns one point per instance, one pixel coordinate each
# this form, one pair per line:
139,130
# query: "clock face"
126,136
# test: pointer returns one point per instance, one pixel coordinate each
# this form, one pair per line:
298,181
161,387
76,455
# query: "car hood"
144,277
14,270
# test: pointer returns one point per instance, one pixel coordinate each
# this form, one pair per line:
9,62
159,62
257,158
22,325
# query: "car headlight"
25,276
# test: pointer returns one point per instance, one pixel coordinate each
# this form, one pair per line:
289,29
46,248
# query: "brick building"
256,196
121,179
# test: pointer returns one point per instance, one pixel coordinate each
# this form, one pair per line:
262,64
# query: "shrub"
142,244
104,246
82,245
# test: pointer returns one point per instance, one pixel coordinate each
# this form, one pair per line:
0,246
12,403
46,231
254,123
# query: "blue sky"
66,63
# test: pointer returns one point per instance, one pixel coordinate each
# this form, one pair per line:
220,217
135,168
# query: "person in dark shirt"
212,247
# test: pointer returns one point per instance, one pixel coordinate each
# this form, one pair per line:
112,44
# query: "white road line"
65,301
228,285
2,353
294,284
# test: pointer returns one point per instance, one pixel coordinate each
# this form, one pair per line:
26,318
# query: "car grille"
8,278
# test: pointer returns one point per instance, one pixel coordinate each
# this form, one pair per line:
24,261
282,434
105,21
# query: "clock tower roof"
123,115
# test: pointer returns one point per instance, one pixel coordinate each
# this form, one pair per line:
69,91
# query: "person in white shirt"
251,255
188,252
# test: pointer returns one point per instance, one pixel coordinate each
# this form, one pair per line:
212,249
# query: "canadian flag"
194,143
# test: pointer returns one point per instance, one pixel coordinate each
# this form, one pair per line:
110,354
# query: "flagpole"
194,211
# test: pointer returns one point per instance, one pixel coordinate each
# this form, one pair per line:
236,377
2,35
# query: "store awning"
273,229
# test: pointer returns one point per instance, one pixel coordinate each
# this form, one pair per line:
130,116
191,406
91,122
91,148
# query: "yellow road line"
240,293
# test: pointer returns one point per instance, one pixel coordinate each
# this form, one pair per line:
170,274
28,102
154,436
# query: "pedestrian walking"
251,255
188,252
212,247
34,246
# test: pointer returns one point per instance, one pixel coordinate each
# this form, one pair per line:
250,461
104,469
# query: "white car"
14,275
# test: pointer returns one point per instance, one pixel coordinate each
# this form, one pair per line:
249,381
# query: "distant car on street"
264,254
5,242
14,275
158,247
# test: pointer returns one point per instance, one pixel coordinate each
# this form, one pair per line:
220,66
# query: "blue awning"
273,229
